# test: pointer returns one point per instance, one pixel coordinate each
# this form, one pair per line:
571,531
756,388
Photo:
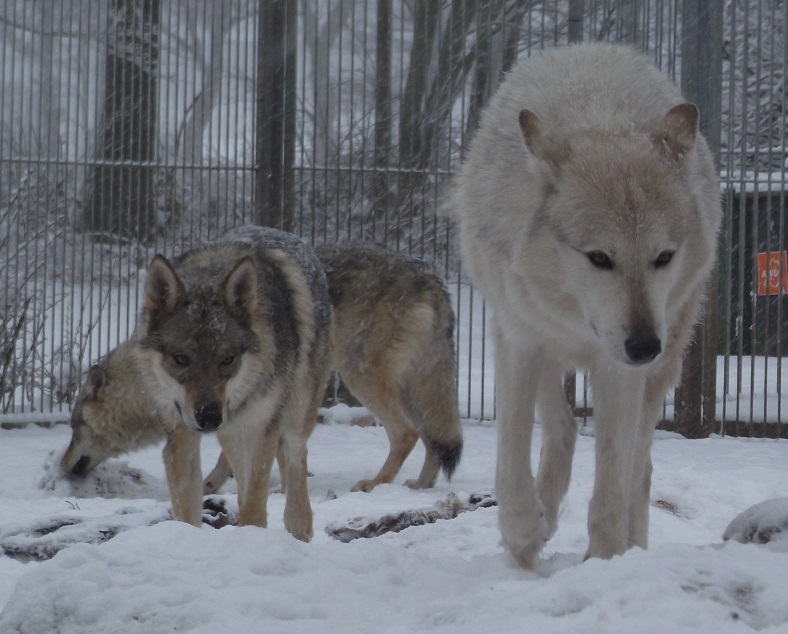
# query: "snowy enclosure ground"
157,575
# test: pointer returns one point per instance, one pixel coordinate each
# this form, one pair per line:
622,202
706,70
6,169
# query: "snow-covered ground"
158,575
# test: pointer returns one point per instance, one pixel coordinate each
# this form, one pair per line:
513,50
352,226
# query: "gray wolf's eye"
181,360
228,359
600,260
663,259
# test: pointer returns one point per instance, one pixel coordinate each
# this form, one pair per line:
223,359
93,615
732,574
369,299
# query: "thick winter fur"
394,349
393,346
395,352
234,338
112,415
588,211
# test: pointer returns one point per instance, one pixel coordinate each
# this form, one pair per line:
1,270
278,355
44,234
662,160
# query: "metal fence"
131,127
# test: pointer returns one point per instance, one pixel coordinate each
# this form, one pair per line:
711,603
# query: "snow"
157,575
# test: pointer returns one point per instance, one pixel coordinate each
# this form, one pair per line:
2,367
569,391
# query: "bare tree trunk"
426,20
218,19
120,198
275,116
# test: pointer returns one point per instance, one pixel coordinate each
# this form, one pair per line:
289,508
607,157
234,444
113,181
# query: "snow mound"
112,479
763,523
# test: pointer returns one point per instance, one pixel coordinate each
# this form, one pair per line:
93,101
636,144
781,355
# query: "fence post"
575,36
701,83
274,202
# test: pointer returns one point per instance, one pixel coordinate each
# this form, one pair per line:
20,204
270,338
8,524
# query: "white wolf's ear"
240,286
676,133
538,143
163,287
97,379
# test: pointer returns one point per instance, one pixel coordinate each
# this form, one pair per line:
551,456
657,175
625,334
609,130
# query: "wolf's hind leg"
384,402
218,476
429,470
559,432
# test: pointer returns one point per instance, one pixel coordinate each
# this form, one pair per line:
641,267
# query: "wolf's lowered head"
112,415
87,448
194,337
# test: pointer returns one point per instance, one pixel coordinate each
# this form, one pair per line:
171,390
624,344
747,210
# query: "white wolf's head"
615,241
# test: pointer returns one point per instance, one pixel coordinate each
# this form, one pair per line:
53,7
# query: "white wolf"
588,210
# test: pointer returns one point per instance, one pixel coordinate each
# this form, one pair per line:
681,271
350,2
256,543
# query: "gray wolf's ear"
97,379
676,133
163,287
240,286
538,143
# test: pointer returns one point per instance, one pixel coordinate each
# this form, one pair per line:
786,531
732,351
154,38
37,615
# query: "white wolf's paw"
524,533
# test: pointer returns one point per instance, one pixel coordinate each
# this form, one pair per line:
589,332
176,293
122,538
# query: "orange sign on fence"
773,273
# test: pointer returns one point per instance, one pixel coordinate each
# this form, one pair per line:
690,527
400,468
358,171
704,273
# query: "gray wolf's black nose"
209,416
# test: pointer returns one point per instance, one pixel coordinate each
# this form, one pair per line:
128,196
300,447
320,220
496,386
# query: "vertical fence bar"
76,315
701,70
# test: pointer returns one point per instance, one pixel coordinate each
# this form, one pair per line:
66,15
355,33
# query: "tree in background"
120,190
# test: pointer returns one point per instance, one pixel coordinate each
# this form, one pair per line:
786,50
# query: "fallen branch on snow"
44,539
446,509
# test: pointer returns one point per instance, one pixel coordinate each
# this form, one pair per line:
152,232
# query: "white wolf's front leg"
659,380
618,412
520,514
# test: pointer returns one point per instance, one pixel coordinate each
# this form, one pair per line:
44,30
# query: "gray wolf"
588,210
394,350
234,337
394,347
112,414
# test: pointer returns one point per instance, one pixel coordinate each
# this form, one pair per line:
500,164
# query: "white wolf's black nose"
642,347
209,416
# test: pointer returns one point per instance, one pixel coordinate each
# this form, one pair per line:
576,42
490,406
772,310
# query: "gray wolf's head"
615,241
196,338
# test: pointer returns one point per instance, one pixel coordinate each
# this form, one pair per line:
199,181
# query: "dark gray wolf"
394,330
588,211
235,338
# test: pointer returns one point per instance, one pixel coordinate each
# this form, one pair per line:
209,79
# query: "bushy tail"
430,393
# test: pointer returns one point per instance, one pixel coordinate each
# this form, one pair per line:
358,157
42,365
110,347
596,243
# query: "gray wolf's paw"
416,484
364,485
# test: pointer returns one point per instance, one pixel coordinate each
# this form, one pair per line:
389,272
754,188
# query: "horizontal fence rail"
135,127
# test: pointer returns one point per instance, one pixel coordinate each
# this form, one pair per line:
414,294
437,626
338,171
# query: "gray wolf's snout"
208,416
81,467
642,346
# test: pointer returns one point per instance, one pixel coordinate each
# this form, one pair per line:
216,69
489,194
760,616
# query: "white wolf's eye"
663,259
600,260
